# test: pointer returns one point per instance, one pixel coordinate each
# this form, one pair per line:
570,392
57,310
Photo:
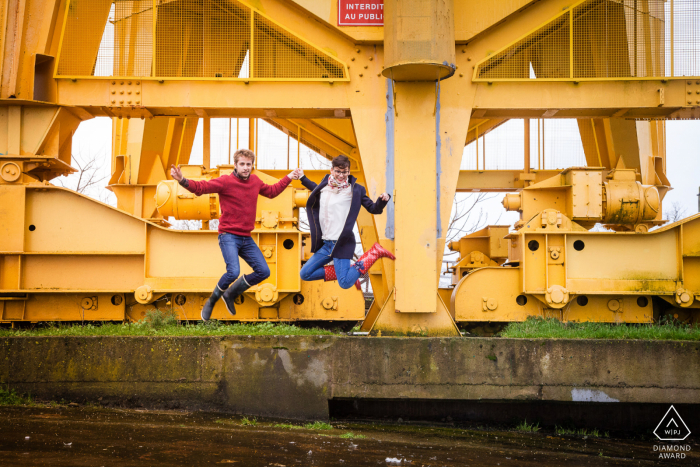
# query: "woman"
332,209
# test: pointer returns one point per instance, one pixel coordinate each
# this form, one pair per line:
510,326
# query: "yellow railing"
186,39
604,40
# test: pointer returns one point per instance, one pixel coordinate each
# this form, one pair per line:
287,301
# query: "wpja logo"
672,428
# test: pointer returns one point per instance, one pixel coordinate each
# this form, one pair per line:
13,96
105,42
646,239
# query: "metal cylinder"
300,198
419,40
630,202
512,201
173,200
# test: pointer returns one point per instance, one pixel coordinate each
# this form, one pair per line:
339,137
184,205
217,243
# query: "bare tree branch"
675,212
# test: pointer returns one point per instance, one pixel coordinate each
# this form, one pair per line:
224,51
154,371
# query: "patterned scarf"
335,184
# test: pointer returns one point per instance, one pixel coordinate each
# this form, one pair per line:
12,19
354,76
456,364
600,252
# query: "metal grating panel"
684,58
605,39
544,53
278,54
619,39
86,20
201,39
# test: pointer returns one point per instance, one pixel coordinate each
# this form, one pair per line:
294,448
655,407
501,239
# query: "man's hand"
296,174
175,173
384,196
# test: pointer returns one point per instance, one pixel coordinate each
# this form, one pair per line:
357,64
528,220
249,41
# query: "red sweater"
238,199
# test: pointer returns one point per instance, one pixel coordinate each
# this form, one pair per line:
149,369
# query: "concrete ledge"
295,377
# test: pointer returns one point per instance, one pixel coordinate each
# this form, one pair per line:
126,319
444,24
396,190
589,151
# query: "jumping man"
238,197
332,209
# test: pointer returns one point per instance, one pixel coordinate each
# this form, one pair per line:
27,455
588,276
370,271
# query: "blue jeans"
346,273
232,246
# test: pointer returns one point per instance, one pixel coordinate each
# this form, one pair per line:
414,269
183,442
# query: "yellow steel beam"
497,180
614,98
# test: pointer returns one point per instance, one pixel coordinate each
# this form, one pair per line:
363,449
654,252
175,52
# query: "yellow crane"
400,99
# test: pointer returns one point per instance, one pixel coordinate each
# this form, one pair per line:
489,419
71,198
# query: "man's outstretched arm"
272,191
200,187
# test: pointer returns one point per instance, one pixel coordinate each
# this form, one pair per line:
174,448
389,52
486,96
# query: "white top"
335,207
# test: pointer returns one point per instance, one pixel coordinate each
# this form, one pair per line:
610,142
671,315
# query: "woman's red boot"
371,256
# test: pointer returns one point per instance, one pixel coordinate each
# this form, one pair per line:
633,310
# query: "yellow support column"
416,199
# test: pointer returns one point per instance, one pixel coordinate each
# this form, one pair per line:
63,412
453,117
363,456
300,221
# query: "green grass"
287,426
245,421
318,426
553,328
11,397
594,433
523,426
352,436
157,323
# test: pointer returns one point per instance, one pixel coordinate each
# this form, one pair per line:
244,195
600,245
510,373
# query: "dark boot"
330,275
233,292
209,304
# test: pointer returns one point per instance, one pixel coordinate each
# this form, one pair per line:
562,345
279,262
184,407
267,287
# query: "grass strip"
150,328
318,426
537,328
11,397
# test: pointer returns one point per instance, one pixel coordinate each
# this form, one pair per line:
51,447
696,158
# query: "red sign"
361,13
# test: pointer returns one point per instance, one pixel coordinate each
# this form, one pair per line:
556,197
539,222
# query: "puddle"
101,437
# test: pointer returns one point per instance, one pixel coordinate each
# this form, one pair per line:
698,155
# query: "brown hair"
342,162
247,153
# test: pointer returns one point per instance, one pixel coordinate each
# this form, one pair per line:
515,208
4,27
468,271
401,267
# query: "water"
84,436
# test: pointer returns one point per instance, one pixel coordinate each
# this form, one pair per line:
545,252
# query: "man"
238,197
332,209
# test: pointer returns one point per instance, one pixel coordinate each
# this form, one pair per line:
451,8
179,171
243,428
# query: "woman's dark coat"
345,247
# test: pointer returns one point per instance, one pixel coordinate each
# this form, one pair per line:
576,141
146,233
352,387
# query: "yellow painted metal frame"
569,10
253,11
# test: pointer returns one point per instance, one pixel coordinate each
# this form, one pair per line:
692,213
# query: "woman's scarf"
335,184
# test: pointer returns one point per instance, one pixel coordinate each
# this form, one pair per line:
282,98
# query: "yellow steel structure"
452,72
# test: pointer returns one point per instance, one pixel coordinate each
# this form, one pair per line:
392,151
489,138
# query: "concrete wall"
294,377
